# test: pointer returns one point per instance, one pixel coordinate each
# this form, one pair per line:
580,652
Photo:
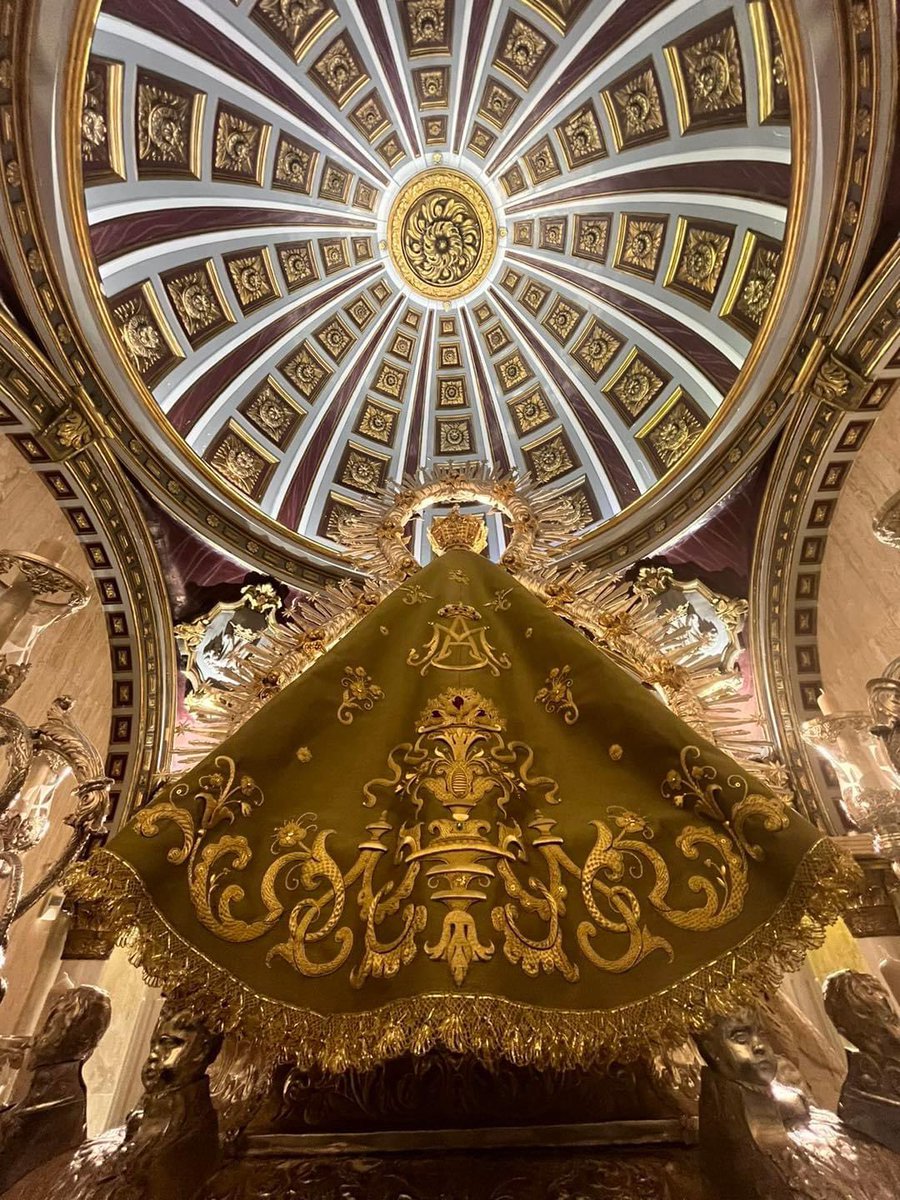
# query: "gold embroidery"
615,752
459,577
359,692
458,643
469,850
462,761
224,797
413,594
501,601
486,1026
556,695
304,754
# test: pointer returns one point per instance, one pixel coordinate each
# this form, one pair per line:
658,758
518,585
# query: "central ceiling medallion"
442,234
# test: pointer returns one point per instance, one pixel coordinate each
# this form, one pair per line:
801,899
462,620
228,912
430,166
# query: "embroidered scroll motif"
556,695
501,601
414,594
474,849
459,643
359,693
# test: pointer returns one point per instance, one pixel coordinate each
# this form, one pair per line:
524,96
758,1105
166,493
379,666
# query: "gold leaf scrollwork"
467,787
222,797
556,695
360,692
459,643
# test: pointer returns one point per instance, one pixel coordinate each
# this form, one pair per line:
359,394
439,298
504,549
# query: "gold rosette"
466,825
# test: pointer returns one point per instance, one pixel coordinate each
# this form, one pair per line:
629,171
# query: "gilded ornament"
295,164
306,371
369,117
165,119
760,285
636,108
432,86
533,297
391,150
391,381
596,348
197,303
298,264
239,463
338,71
713,71
294,23
672,433
452,392
426,27
442,234
140,336
457,531
378,422
523,51
71,430
832,381
511,371
360,312
699,259
552,233
363,471
556,695
549,458
531,412
251,278
335,254
454,436
562,319
579,508
335,338
581,136
93,132
753,287
498,103
272,413
640,244
238,146
542,162
359,692
636,385
459,642
335,185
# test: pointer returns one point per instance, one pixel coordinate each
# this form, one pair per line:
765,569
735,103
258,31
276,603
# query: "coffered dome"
330,243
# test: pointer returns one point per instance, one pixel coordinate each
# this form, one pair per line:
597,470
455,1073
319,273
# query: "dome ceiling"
336,242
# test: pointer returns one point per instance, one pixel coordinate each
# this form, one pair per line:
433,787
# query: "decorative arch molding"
58,433
839,72
843,388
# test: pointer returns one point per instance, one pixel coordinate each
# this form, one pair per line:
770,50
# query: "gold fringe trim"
488,1027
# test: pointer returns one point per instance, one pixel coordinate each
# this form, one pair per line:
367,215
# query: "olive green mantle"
466,825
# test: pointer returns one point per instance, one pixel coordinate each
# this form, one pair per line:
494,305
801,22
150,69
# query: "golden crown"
458,532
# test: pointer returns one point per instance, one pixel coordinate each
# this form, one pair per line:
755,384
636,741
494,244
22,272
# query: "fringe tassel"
487,1027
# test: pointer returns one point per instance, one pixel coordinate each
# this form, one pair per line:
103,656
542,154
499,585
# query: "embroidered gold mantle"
469,863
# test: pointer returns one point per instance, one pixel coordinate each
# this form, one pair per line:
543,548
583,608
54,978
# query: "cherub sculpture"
170,1145
51,1117
862,1013
760,1140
